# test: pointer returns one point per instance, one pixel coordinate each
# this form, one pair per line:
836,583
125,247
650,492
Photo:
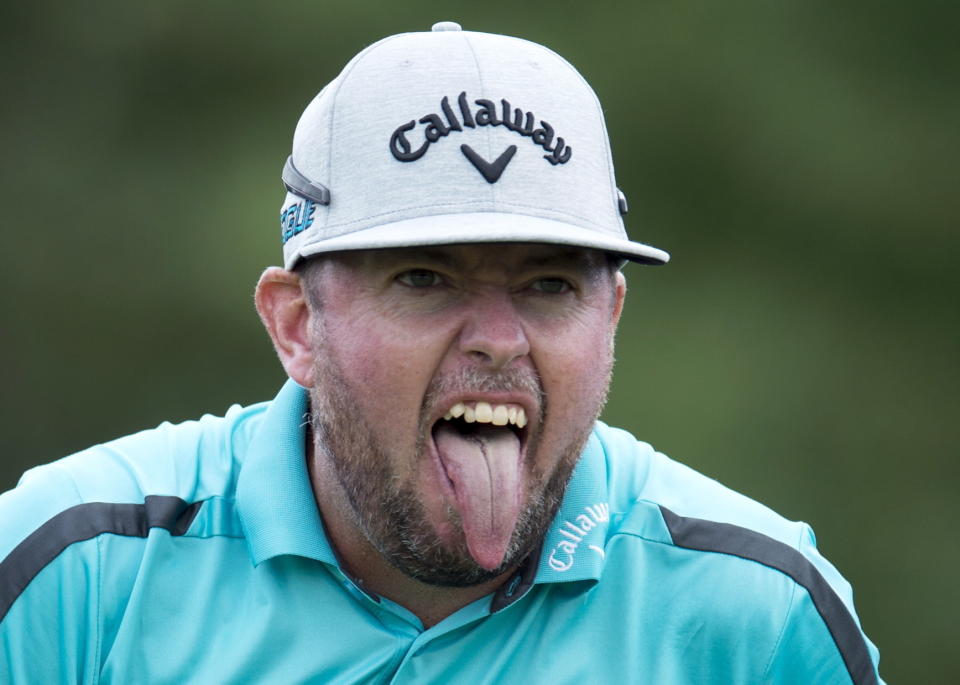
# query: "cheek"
390,366
574,366
578,382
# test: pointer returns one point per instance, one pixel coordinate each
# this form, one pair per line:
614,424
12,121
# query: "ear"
620,295
282,306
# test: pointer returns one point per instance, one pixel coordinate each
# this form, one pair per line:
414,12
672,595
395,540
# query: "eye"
419,278
552,286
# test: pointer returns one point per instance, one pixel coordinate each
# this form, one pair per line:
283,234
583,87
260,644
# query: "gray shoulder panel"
84,522
711,536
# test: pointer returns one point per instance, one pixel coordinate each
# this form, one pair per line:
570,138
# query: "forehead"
481,256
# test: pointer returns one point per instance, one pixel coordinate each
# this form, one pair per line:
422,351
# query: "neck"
367,566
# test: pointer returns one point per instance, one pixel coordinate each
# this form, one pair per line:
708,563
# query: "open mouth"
480,449
479,418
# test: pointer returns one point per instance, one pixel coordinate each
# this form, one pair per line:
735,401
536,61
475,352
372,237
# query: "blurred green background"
798,159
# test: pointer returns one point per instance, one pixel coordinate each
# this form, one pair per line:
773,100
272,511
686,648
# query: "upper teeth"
484,412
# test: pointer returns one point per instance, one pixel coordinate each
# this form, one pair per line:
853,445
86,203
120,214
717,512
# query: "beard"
389,510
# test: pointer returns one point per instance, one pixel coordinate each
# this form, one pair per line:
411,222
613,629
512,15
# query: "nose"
493,333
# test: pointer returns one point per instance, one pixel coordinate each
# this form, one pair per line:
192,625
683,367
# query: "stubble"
388,510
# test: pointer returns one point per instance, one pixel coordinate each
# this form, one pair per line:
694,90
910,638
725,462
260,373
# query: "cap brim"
479,227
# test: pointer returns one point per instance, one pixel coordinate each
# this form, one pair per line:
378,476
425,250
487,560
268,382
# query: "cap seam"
473,53
341,79
603,123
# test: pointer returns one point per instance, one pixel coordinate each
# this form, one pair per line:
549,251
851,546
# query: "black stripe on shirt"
725,538
84,522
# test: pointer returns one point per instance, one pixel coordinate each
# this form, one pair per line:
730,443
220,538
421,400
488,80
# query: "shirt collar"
573,548
274,497
280,516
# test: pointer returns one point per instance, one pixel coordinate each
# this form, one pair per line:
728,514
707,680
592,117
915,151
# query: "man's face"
454,388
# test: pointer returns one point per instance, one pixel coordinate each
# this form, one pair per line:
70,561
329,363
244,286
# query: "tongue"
485,470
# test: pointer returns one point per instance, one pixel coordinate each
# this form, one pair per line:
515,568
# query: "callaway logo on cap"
485,115
453,136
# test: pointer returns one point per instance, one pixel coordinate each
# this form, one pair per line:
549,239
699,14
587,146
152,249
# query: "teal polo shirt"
195,553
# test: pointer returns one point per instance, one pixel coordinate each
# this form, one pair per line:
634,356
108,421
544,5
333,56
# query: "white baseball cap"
453,136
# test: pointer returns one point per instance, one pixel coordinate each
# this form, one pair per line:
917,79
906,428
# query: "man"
430,497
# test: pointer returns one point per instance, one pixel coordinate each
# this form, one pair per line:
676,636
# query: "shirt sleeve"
821,640
49,588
